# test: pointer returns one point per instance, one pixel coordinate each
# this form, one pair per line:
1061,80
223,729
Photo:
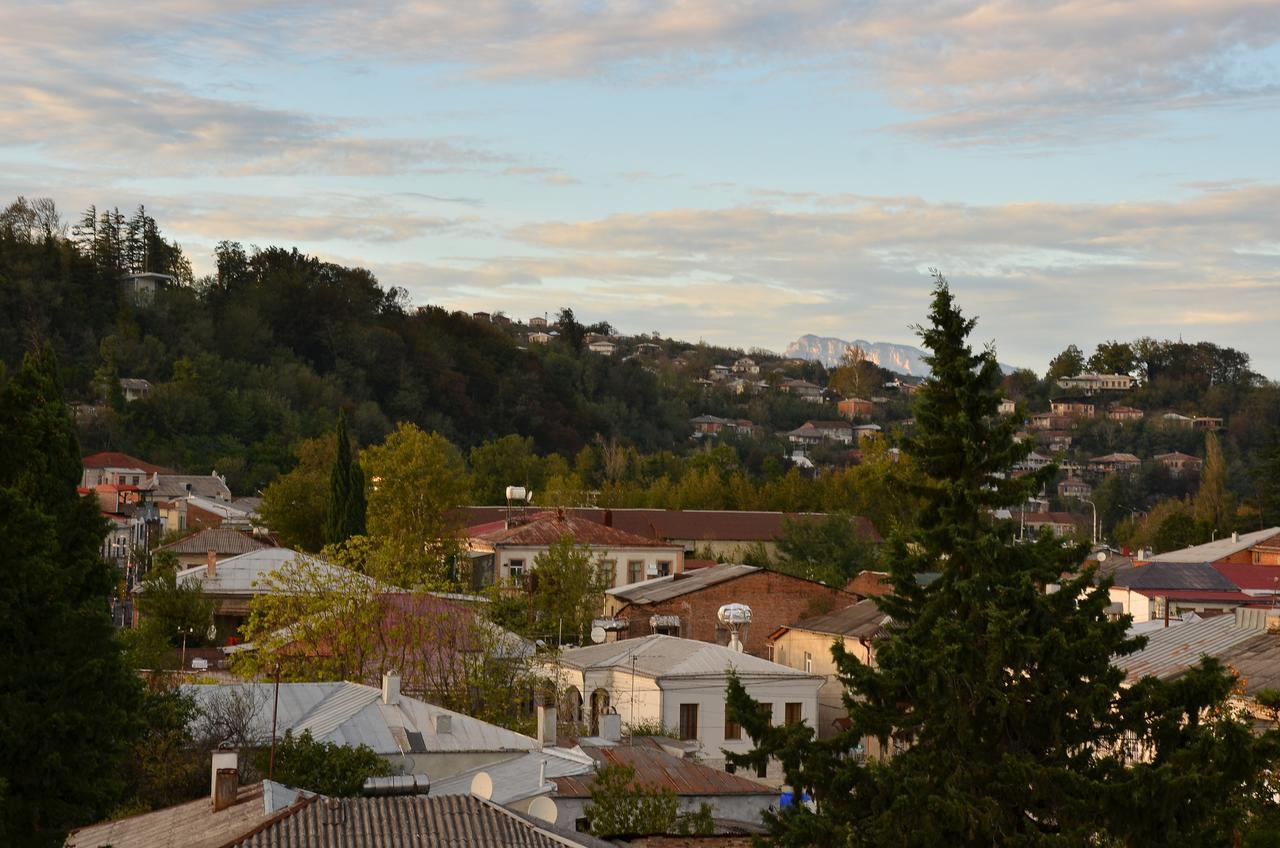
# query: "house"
538,322
414,736
711,425
1178,462
603,347
1147,591
132,523
856,407
746,365
173,486
686,604
1124,413
223,542
1206,423
1074,487
481,316
1032,462
817,432
117,469
540,337
1057,524
505,551
1007,407
1049,421
806,645
1113,462
648,349
194,513
140,288
718,532
680,684
802,389
1055,441
1091,383
1261,547
1073,407
862,432
135,388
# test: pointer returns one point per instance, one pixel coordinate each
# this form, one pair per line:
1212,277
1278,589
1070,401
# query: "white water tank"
734,615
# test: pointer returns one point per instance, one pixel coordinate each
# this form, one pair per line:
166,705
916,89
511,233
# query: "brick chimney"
211,563
223,779
547,720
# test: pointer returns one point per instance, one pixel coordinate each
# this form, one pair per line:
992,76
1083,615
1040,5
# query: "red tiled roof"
115,459
655,767
1255,577
549,528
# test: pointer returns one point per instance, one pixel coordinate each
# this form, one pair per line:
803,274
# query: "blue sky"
737,172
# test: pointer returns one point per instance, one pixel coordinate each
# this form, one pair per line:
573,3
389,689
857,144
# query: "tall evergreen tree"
994,714
346,515
1213,507
66,698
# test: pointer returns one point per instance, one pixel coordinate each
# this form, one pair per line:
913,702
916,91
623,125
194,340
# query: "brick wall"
775,599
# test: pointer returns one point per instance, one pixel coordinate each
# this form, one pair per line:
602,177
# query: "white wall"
651,557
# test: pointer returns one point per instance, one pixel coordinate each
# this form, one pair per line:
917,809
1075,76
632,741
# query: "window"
766,710
664,568
688,721
762,770
635,570
515,570
608,572
794,712
732,730
808,662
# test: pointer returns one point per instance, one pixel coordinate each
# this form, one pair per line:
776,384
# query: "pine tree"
994,715
346,515
66,698
1213,507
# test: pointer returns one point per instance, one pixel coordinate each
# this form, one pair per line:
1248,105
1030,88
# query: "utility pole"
275,707
185,631
1095,518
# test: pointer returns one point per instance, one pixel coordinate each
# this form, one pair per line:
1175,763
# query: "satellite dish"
544,808
482,785
1102,556
597,635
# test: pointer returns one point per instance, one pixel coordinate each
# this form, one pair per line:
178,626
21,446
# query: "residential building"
861,432
1091,383
746,365
141,288
1073,407
719,373
686,604
1055,441
1050,421
1113,462
603,347
173,486
1074,487
802,389
222,542
680,684
1057,524
1261,547
540,337
134,388
481,316
1196,422
1032,462
505,551
856,408
538,322
118,469
806,645
1124,413
711,425
816,432
1179,463
1147,591
1007,407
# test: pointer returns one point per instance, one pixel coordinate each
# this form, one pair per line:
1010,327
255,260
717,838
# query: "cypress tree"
346,515
993,714
67,700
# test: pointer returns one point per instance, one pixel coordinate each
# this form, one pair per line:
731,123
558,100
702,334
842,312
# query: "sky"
730,171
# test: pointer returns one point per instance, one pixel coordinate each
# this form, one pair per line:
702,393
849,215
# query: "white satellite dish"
544,808
597,634
482,785
1102,556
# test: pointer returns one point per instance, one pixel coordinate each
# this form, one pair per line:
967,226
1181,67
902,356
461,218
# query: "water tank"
734,615
516,493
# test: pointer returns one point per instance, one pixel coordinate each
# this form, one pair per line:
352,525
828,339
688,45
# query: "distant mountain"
898,358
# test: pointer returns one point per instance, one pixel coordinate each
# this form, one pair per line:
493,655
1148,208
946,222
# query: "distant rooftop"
862,619
225,541
1219,548
547,528
662,657
673,586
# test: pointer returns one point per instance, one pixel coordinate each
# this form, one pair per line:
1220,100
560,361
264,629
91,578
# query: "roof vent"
444,725
396,784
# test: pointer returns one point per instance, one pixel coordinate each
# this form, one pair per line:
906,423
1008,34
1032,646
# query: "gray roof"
670,656
225,541
675,585
518,778
1219,548
1171,651
861,619
1173,575
247,574
353,714
169,486
414,821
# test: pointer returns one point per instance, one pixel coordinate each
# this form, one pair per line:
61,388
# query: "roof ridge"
344,704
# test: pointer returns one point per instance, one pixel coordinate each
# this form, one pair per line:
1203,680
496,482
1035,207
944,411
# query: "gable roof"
521,777
547,528
1263,579
1219,548
223,540
655,767
861,619
115,459
247,573
1174,575
169,486
353,714
663,657
673,586
1171,651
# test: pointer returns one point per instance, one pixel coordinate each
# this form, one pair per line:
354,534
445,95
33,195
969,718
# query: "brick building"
686,604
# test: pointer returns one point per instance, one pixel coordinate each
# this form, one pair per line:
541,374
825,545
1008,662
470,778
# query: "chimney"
1235,537
223,762
611,727
225,786
546,720
211,563
608,518
391,688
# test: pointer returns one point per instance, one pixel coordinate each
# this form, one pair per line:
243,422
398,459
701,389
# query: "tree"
1069,363
572,333
856,375
296,504
165,766
567,589
67,701
508,461
417,481
1268,482
346,513
830,550
620,806
167,609
327,768
1213,503
993,713
1113,358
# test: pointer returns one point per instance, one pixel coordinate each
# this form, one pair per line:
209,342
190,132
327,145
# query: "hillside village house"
856,407
134,388
117,469
540,337
1055,441
802,389
602,346
816,432
680,684
1050,421
1261,547
1073,407
1074,487
711,425
806,645
538,322
1179,463
1195,422
140,288
1113,462
222,542
1090,383
1124,413
686,604
1057,524
1147,592
506,550
746,365
1007,407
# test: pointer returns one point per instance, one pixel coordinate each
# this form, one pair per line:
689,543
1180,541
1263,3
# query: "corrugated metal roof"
180,485
670,656
548,528
1256,660
223,540
673,586
1174,575
861,619
1257,578
1218,549
451,821
657,768
190,825
520,777
353,714
246,574
1169,652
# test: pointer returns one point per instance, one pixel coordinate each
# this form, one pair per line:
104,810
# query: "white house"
603,346
680,684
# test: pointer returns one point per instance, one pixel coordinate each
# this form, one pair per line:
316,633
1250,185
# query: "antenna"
734,617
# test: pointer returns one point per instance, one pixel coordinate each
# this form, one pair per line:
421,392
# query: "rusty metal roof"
548,528
1171,651
225,541
655,767
861,619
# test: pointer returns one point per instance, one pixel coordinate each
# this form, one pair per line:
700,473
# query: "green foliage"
67,701
622,807
830,550
325,767
296,504
1268,482
567,587
1069,363
168,608
165,766
345,516
1006,720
